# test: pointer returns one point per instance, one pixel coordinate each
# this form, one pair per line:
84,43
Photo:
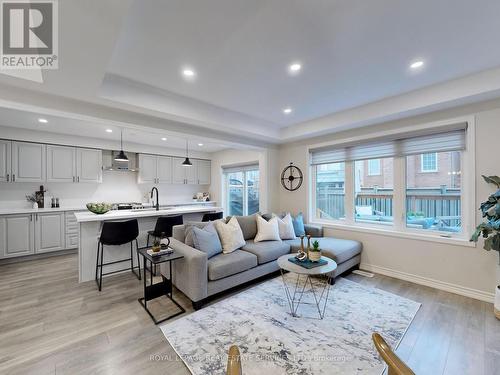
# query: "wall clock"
291,177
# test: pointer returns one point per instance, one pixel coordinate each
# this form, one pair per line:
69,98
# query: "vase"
314,256
35,205
497,302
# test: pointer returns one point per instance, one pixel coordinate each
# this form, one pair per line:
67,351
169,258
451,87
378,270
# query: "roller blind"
240,168
402,145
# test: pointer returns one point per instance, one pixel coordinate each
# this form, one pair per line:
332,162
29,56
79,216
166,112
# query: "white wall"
266,158
472,270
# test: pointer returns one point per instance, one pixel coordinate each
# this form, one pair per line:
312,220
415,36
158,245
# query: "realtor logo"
29,34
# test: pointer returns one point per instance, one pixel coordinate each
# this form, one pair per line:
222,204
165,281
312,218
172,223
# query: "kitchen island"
90,225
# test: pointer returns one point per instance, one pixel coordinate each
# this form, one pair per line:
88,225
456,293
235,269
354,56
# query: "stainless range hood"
110,164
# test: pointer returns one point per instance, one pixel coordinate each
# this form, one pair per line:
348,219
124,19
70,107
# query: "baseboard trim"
433,283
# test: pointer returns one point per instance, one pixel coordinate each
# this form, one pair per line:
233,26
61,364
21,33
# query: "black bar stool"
211,216
164,224
116,233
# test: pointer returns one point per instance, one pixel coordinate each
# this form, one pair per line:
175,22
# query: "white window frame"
245,188
399,229
422,163
369,167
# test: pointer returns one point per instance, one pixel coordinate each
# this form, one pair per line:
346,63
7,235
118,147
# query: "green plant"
315,245
490,228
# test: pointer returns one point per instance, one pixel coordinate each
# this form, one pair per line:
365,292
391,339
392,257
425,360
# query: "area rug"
271,341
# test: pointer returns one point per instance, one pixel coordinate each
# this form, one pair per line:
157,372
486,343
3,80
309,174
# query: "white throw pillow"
267,230
230,234
285,226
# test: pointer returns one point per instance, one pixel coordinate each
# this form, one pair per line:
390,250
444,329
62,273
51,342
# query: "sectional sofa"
199,277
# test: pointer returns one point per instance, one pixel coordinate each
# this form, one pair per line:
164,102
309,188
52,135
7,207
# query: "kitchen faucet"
157,205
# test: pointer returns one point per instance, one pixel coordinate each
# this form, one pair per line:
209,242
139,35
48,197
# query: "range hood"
110,164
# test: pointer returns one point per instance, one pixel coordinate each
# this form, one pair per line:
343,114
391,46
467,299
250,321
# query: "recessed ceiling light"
109,131
200,144
188,73
164,139
416,64
295,67
43,121
287,111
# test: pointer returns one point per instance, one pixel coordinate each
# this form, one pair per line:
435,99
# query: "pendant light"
187,162
121,155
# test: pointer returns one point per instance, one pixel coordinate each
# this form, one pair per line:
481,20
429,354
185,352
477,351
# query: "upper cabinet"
203,172
73,164
155,169
5,164
22,162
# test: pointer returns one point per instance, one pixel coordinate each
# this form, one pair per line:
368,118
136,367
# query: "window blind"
240,168
402,145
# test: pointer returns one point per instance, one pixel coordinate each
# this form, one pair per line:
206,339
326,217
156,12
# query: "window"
330,194
373,167
428,162
433,202
242,190
373,193
381,184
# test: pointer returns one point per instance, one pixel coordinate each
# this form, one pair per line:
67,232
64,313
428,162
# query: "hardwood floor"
50,324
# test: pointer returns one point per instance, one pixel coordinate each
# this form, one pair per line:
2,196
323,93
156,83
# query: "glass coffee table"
320,293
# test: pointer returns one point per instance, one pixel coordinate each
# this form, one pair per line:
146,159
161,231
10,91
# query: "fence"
443,204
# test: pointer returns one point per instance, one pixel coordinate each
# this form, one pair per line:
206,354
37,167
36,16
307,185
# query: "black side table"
163,288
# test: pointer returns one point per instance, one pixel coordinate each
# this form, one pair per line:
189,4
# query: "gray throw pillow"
188,230
207,240
248,225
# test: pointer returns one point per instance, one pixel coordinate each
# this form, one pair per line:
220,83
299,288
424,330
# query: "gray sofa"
199,277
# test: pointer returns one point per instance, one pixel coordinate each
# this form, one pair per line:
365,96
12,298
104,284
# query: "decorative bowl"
99,208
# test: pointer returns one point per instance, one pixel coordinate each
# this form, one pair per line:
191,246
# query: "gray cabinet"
27,162
5,163
71,225
49,231
182,174
16,235
203,171
73,164
155,169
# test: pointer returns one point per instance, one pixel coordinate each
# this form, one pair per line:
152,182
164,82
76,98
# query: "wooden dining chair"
395,365
234,361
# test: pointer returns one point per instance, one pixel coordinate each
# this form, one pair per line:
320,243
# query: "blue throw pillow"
298,225
207,240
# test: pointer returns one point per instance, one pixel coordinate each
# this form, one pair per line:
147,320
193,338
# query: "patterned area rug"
271,341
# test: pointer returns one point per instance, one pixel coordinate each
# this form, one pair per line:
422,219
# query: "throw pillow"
298,225
285,226
188,230
230,234
267,230
207,240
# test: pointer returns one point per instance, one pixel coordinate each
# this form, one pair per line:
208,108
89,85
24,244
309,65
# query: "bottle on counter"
57,203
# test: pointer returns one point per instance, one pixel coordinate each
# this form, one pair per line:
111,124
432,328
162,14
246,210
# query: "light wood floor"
50,324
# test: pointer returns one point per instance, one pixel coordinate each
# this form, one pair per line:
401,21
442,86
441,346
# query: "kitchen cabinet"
27,162
88,165
182,174
61,161
155,169
49,231
73,164
16,235
5,164
203,172
71,225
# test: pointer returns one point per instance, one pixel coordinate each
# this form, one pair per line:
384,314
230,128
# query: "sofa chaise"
199,277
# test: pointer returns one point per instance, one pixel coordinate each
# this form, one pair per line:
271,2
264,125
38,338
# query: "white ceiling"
124,70
149,137
353,52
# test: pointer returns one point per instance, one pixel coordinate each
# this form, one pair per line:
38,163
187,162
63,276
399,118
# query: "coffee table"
320,294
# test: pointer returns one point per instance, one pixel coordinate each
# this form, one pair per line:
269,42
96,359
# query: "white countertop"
13,211
87,216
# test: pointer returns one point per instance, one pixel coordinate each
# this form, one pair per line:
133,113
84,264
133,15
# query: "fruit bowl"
98,208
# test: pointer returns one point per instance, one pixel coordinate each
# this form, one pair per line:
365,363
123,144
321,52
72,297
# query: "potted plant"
315,252
489,229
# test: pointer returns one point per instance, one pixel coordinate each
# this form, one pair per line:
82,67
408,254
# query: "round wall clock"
291,177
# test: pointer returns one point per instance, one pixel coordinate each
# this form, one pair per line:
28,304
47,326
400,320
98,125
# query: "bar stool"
116,233
164,224
211,216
